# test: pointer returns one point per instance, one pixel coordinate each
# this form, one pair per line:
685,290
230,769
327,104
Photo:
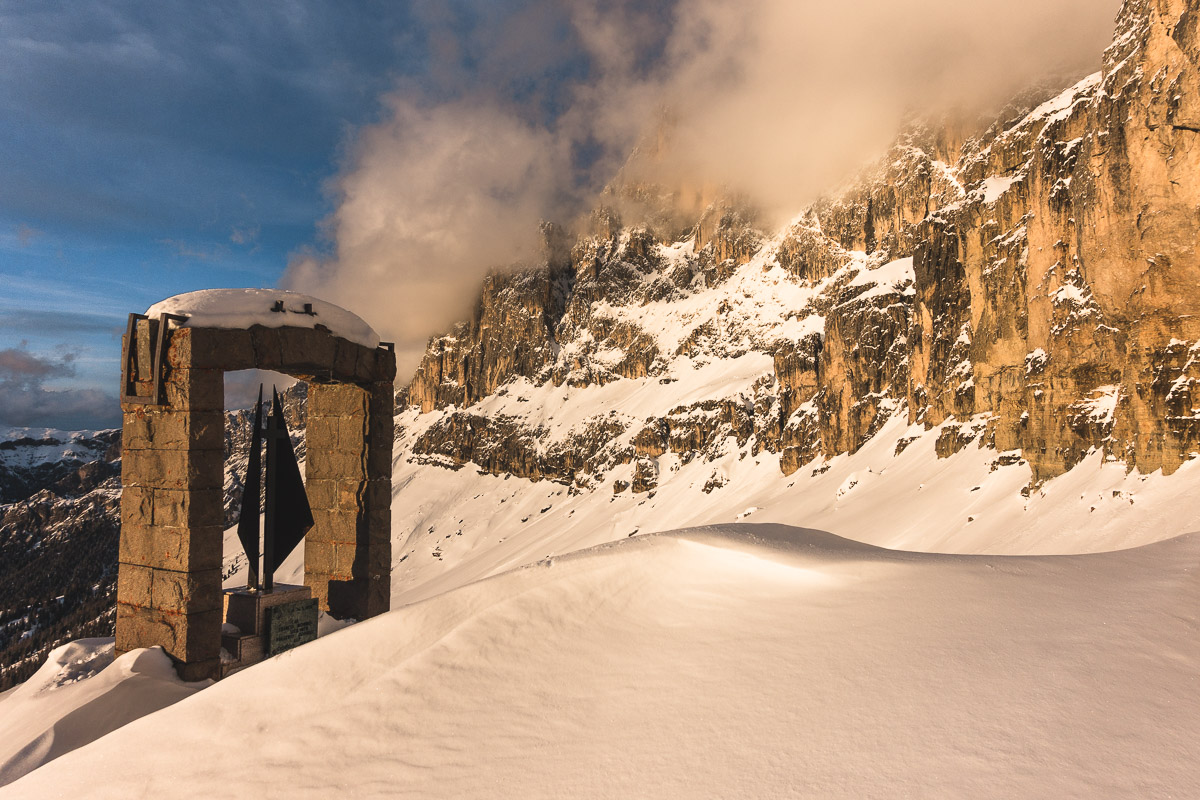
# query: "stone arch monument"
172,398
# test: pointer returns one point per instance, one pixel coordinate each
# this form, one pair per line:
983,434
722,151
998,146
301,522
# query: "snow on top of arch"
241,308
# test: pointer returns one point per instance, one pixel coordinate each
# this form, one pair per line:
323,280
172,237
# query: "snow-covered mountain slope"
451,527
31,460
58,542
972,345
742,660
987,279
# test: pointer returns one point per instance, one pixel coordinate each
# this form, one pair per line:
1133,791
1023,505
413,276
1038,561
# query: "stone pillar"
169,578
347,554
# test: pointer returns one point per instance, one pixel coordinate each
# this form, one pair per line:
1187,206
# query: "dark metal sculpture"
248,522
287,516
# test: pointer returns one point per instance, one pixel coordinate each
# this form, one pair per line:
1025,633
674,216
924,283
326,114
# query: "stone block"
246,648
382,409
319,558
347,599
349,492
345,556
183,508
196,390
385,365
209,669
186,592
379,525
210,348
318,584
152,428
131,624
378,494
345,359
334,526
134,585
379,559
322,493
336,400
365,367
337,464
137,504
379,594
268,347
173,469
321,432
379,459
306,350
351,433
179,549
137,544
190,638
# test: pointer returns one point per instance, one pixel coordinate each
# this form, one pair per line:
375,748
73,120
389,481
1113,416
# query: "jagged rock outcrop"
1029,278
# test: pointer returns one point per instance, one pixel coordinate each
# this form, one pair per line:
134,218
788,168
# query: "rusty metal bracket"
129,359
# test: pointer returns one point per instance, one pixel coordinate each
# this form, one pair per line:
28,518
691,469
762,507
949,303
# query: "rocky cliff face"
1028,282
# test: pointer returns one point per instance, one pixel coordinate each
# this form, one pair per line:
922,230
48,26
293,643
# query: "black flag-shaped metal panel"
288,515
248,522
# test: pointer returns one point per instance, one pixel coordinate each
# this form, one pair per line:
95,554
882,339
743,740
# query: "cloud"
27,234
193,252
245,234
22,368
780,99
436,197
774,99
58,322
25,401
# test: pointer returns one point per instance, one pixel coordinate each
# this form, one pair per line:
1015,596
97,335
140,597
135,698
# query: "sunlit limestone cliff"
1018,290
1032,280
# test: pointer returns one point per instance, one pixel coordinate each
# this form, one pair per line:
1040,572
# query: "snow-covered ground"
451,528
696,664
735,660
80,694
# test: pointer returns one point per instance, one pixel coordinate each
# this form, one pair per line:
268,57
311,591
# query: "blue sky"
153,148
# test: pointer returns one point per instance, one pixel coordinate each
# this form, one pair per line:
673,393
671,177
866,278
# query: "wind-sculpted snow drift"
741,660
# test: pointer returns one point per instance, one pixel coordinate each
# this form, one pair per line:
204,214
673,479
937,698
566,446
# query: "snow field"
739,660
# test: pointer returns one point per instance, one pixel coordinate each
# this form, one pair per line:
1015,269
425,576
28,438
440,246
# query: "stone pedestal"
249,613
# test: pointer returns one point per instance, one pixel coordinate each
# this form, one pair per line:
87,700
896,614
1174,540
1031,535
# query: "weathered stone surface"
195,390
172,469
150,427
210,348
193,639
172,509
185,592
174,548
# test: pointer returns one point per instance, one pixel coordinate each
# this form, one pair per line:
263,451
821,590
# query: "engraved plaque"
291,624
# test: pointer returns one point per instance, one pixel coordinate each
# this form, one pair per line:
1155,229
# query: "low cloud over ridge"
776,99
25,400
